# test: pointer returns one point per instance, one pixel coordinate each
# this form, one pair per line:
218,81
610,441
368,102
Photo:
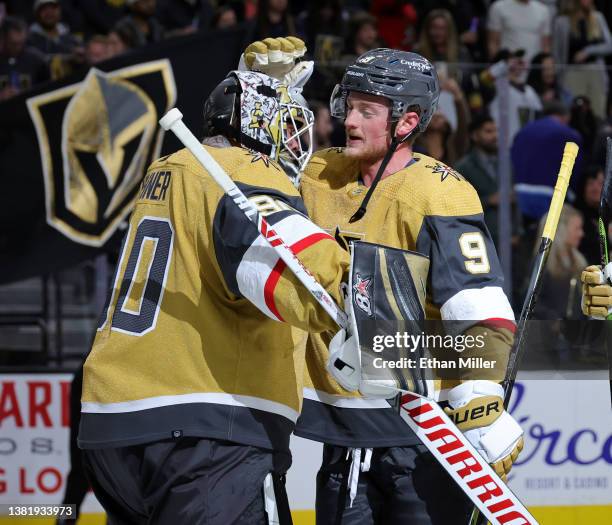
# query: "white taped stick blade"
464,464
168,120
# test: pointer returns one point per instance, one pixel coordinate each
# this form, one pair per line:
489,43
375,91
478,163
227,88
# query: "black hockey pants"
189,481
403,486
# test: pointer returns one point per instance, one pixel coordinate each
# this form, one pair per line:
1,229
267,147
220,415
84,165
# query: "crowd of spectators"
553,54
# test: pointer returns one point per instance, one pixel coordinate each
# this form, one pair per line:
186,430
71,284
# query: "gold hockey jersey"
426,207
204,330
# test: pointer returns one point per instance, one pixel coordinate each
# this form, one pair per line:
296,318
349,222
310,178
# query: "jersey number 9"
474,249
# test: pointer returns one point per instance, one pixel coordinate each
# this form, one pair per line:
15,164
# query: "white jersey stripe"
260,259
219,398
477,304
344,402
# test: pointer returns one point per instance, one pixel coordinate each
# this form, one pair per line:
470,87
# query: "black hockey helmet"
221,106
406,79
262,114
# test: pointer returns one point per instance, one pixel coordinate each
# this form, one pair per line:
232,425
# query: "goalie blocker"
386,290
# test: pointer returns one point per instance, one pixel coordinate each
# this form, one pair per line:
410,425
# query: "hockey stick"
437,432
605,215
535,281
173,121
605,208
537,270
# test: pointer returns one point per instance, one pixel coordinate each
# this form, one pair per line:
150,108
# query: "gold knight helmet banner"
96,139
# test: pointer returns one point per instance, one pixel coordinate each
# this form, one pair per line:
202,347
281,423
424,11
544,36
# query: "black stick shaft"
535,283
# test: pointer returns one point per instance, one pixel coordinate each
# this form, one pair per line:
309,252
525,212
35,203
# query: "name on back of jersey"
154,186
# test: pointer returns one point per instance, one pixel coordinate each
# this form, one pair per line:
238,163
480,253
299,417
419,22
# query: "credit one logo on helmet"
415,64
96,138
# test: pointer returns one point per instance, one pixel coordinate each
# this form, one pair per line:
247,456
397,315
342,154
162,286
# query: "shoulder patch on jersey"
183,158
260,157
253,169
327,152
444,171
322,156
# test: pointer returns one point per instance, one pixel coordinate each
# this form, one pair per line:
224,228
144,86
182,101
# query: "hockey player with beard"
374,471
194,381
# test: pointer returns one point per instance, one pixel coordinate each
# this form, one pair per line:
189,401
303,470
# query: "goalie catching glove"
596,291
279,58
477,408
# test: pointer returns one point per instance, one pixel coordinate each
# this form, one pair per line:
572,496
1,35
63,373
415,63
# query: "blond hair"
452,47
572,9
563,260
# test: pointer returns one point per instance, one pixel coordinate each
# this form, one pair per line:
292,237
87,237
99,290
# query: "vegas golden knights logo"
96,139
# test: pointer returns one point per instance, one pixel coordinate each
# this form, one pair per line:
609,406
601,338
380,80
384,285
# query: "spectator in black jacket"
122,38
142,18
53,38
479,167
20,68
224,17
186,16
584,120
544,80
324,20
273,19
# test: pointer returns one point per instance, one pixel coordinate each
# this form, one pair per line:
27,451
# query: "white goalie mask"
265,117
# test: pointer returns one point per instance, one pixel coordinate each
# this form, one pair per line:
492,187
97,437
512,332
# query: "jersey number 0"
144,279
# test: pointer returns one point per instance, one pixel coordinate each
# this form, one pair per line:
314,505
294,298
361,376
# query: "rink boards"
567,456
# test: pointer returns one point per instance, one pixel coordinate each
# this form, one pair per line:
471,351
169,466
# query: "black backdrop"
28,245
